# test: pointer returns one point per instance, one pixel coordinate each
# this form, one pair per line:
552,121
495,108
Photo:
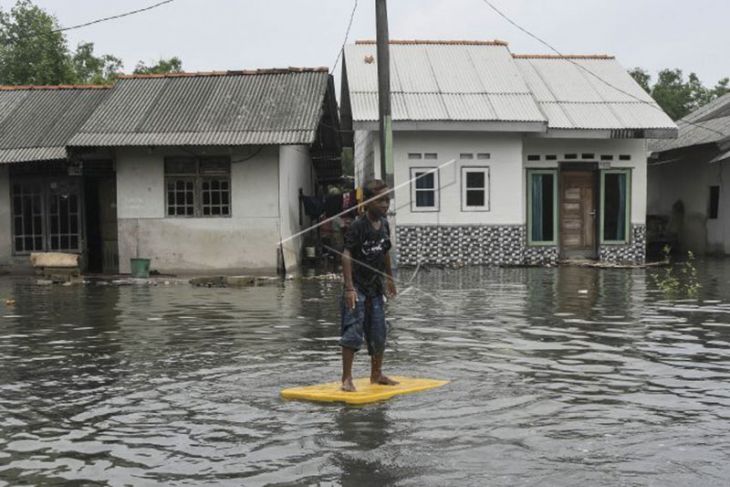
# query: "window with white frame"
198,187
475,188
424,189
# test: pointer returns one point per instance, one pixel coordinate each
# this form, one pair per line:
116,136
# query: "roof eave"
456,125
32,154
606,133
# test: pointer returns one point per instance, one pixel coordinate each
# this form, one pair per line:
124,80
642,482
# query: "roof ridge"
244,72
445,42
53,87
564,56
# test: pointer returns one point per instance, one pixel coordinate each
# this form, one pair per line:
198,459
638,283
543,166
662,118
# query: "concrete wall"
245,241
634,148
5,219
295,172
505,171
690,181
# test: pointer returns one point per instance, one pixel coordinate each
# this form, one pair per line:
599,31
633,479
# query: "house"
203,171
511,159
688,180
46,204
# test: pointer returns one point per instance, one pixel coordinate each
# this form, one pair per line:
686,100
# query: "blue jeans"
364,324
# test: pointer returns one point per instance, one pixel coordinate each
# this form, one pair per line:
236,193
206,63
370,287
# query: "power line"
545,43
347,35
113,17
390,190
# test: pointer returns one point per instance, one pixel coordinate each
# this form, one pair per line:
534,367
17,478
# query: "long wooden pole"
386,119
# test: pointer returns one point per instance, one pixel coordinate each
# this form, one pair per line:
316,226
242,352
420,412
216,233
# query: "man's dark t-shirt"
368,246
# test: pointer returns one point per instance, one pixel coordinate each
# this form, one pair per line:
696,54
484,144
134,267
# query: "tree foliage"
34,52
31,49
677,96
91,69
172,65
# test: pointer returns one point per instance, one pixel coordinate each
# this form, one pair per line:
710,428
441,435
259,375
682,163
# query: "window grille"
198,187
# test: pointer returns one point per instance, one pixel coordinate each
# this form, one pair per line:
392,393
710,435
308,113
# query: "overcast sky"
239,34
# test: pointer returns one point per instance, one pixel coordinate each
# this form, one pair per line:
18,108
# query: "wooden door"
578,214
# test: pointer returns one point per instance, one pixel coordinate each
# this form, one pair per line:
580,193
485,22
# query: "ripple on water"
163,386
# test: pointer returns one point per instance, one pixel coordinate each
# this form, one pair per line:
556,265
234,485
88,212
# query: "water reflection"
564,376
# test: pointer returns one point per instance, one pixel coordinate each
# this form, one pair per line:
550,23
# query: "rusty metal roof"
36,122
279,106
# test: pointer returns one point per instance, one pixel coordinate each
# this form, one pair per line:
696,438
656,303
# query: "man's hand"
390,288
350,298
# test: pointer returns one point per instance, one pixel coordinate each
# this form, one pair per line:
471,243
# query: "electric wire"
113,17
580,66
390,190
347,35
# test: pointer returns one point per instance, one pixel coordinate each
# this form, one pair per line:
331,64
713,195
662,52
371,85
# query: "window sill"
484,209
195,217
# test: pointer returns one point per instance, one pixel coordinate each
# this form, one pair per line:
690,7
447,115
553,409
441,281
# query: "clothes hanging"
313,206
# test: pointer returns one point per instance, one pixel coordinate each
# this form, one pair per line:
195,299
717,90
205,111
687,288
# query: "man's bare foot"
383,380
348,386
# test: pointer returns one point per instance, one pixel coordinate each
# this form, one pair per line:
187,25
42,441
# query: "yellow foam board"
366,392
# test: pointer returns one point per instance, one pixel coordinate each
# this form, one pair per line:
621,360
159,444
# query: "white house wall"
690,181
497,235
295,173
244,241
5,219
634,148
505,176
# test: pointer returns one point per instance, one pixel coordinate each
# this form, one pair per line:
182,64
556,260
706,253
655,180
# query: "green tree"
90,69
642,77
678,96
673,94
31,49
172,65
721,88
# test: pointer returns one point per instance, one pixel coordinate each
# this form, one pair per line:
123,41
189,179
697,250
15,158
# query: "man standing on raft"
364,263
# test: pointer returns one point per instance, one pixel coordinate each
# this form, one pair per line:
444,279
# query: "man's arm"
347,269
350,293
390,282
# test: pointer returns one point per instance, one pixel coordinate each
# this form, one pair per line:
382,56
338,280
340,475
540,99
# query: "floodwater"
560,377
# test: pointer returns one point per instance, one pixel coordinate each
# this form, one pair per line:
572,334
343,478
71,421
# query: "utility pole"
386,119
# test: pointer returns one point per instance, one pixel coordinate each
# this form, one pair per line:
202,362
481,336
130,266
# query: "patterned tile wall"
496,245
461,245
632,253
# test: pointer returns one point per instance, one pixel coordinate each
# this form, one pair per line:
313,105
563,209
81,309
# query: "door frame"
588,167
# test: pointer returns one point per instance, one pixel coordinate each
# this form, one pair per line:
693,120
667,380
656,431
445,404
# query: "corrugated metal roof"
706,125
36,123
220,108
28,154
444,81
590,92
483,81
